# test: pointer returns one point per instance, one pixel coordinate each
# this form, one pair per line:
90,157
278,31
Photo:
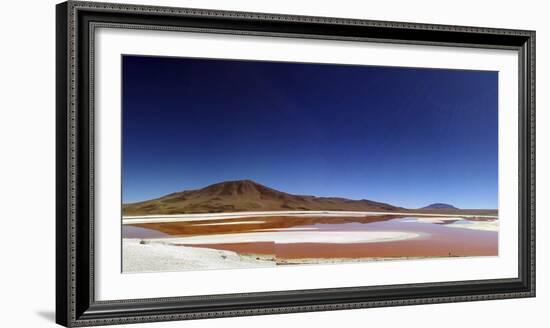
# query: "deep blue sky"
406,136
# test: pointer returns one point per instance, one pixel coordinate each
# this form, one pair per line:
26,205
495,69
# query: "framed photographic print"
215,163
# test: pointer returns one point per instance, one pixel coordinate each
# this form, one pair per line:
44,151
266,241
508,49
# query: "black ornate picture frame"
75,279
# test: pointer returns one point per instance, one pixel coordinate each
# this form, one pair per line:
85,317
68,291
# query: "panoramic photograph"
230,164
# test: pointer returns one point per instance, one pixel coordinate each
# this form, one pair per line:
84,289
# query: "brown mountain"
246,195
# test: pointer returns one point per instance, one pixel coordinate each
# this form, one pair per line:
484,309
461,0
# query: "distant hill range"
439,206
247,195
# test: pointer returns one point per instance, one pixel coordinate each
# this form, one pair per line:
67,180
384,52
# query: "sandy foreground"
154,256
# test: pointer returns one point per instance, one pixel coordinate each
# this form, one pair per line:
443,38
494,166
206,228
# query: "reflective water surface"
434,237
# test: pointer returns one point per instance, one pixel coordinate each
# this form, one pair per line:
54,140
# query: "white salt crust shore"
234,215
477,225
147,256
227,223
461,223
292,237
160,256
153,255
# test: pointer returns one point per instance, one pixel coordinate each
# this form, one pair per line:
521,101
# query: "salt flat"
457,222
477,225
293,237
161,256
232,215
227,223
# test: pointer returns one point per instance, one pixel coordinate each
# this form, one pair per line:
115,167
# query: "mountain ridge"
246,195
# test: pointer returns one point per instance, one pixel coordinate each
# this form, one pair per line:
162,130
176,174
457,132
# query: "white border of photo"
112,284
